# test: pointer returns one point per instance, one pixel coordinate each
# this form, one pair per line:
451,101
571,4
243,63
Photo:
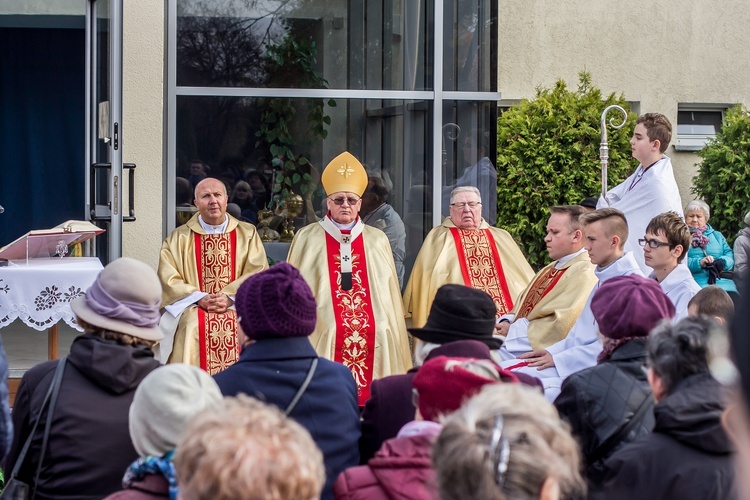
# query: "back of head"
165,401
276,303
657,128
505,443
713,302
674,229
443,384
613,221
124,300
245,449
678,351
630,306
376,186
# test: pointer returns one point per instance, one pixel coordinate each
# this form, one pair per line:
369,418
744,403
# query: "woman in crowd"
242,196
741,253
164,404
709,253
89,446
507,442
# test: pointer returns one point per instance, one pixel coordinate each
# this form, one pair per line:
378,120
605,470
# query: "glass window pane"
370,45
225,138
469,144
470,45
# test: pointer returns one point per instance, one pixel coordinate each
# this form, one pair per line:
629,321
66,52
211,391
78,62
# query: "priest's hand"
215,303
539,359
502,328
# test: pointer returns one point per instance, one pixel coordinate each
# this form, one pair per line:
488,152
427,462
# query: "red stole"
355,319
481,267
541,287
215,256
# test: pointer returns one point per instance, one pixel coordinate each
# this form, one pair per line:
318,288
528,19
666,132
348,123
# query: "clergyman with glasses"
466,250
349,267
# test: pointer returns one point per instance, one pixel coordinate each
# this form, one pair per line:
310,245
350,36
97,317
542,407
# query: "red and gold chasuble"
481,266
355,319
217,333
541,287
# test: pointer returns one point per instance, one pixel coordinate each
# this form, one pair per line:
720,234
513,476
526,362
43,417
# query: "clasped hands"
215,303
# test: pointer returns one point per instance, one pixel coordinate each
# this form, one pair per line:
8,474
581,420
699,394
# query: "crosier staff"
603,147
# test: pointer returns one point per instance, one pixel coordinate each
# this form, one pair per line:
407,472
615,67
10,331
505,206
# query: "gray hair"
461,189
421,350
698,205
540,446
677,351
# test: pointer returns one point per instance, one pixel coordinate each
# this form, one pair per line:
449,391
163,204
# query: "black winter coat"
89,445
600,401
687,456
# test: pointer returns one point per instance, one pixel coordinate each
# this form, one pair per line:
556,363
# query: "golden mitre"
344,174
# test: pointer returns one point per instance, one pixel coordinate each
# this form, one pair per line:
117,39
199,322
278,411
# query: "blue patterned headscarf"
153,465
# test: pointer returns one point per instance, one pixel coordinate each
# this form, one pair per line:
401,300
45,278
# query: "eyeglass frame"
465,204
340,201
653,244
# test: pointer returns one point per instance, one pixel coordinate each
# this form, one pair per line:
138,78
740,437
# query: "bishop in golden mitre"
349,267
201,265
465,250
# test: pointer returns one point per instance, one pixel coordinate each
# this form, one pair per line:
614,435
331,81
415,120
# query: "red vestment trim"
215,256
539,289
481,266
355,319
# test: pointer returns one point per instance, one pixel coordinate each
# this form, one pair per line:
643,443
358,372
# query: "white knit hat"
747,219
165,401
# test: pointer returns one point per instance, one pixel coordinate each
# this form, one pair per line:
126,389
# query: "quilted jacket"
601,400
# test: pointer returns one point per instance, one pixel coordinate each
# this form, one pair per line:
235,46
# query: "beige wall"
143,124
657,53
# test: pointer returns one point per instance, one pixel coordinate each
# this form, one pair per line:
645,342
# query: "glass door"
104,175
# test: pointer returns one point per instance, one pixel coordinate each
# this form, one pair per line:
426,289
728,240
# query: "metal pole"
603,147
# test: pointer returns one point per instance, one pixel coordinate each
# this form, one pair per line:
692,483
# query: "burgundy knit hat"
630,306
443,384
276,303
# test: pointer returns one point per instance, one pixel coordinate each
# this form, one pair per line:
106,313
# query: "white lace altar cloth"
39,293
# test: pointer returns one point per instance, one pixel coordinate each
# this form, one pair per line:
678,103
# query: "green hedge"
723,179
548,154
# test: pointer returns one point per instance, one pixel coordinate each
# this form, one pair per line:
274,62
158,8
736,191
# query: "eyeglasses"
654,244
499,451
340,201
471,204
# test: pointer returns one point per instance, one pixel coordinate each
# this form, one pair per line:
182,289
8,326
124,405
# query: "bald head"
211,200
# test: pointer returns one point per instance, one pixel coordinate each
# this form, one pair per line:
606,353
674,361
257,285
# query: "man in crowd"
688,455
605,232
466,250
376,212
545,312
665,245
651,189
201,266
349,267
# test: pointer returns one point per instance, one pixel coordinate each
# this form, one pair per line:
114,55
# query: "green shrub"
548,154
723,179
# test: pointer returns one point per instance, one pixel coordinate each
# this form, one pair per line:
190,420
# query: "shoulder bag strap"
55,387
302,388
22,455
608,445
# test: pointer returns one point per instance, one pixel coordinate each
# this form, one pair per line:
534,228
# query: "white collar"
211,229
563,261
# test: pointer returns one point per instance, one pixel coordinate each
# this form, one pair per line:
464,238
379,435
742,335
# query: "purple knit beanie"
630,306
276,303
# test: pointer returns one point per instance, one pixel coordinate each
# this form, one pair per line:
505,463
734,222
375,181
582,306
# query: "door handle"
95,167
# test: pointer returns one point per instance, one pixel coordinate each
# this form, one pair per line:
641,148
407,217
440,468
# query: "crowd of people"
602,375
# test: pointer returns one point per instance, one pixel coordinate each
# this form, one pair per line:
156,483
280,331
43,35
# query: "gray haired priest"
349,267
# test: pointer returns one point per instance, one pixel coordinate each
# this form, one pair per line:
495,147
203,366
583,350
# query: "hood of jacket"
691,414
403,469
114,367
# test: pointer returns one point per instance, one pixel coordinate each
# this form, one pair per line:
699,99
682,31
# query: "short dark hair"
677,351
713,301
615,222
574,213
376,186
658,128
675,231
